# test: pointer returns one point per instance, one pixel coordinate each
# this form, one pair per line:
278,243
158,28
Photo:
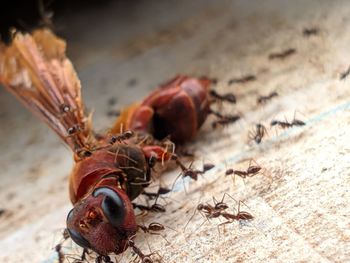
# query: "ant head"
103,221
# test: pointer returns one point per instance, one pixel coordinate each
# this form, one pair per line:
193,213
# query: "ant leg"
144,258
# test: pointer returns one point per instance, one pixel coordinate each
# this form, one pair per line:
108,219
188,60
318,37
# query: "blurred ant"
264,99
285,124
223,120
258,133
242,80
161,191
103,259
310,31
156,208
283,54
229,97
345,74
121,137
60,254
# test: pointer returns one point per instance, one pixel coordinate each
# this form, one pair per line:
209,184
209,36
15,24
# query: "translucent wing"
36,70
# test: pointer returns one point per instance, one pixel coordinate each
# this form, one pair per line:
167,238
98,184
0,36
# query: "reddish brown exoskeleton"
176,109
108,172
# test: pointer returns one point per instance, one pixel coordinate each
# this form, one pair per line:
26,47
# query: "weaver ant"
264,99
258,133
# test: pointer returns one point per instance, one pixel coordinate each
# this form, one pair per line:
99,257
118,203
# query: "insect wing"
35,69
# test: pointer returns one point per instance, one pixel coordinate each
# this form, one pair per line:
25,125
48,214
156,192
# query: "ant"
224,120
241,215
156,208
60,255
310,31
103,259
144,258
345,74
219,209
229,97
264,99
192,173
121,137
161,191
258,133
244,79
250,172
286,124
283,54
152,228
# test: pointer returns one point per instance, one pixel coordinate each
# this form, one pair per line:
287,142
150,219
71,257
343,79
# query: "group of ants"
209,211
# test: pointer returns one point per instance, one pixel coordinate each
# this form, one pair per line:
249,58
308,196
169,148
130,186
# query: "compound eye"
75,235
112,205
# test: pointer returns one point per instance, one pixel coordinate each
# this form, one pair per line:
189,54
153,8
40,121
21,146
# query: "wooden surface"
300,202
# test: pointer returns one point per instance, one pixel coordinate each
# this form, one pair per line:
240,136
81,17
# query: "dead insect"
177,109
258,134
283,54
107,175
264,99
307,32
242,80
345,74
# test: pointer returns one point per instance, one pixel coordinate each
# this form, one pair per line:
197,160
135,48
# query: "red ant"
219,210
258,133
121,137
251,171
